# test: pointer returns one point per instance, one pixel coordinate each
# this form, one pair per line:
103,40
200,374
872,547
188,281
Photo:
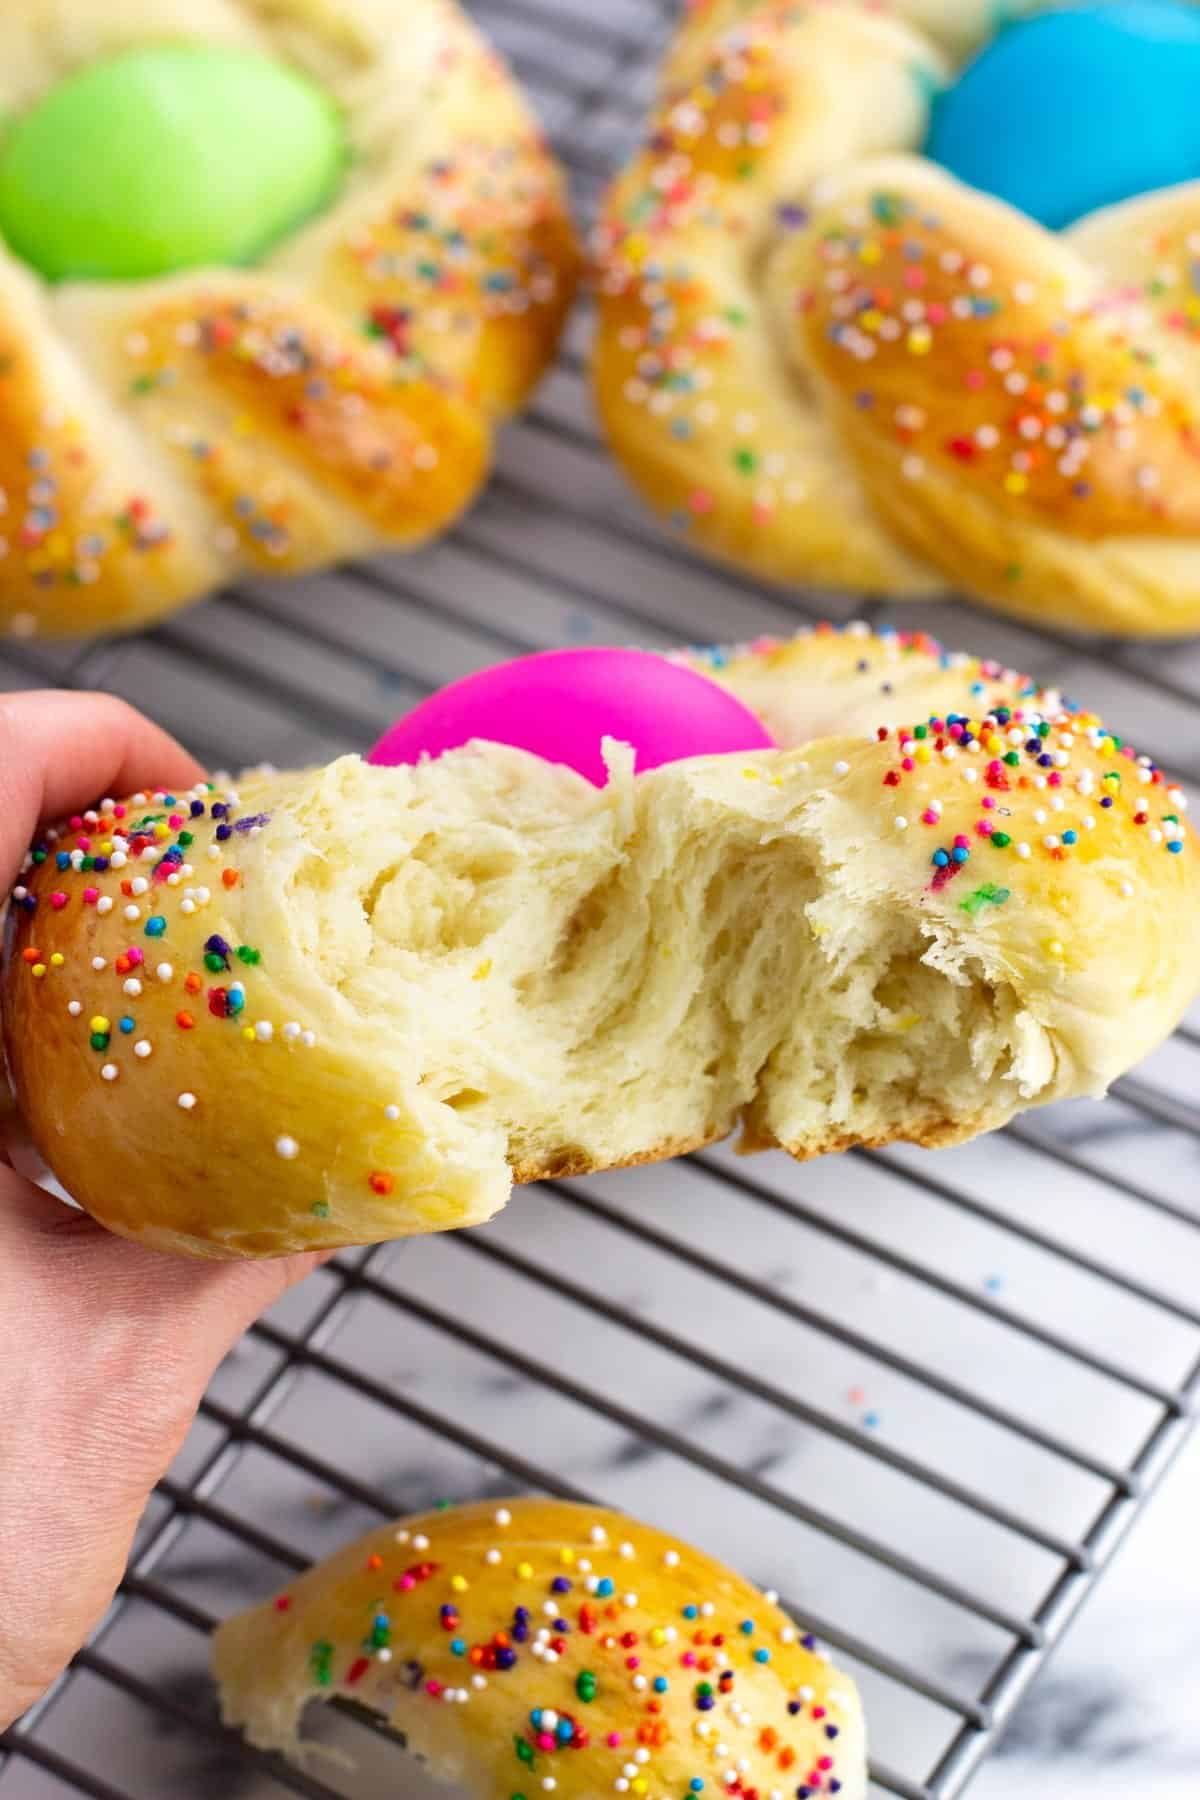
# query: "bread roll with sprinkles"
356,1002
828,361
165,434
538,1647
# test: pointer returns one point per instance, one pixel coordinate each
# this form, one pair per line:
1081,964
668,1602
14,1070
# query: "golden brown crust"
476,1630
1035,414
341,399
877,377
289,384
86,531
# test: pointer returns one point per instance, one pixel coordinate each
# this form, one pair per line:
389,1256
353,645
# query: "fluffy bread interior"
573,977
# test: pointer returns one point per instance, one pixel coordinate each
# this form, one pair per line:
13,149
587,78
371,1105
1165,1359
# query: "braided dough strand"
733,444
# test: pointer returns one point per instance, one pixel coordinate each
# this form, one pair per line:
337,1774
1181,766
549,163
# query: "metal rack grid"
925,1396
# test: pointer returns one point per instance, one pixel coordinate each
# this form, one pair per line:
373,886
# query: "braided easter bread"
160,436
359,1002
538,1646
830,362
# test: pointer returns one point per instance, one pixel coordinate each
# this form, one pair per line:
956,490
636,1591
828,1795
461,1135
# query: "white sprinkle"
1127,889
187,1101
420,1542
384,1655
74,1007
627,1551
479,1682
132,912
308,1039
164,971
598,1534
503,1516
900,822
138,885
788,1635
1051,842
264,1031
98,963
492,1557
132,987
104,904
187,907
1023,851
671,1559
109,1071
143,1047
841,768
291,1031
287,1147
118,859
402,1536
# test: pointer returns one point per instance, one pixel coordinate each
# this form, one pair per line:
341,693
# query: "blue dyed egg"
1075,110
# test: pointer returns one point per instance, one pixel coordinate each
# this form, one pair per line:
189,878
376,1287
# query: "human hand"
108,1346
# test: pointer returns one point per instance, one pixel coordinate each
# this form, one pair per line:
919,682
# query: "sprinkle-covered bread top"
578,1653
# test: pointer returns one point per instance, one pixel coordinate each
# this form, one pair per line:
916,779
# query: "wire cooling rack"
922,1395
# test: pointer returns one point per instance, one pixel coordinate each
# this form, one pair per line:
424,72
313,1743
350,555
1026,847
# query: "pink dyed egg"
560,704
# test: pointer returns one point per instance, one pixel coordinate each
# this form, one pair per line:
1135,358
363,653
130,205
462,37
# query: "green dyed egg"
167,158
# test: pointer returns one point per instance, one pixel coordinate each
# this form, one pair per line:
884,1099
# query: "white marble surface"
1115,1714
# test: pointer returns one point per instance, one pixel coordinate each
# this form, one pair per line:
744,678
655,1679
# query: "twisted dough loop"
879,378
162,437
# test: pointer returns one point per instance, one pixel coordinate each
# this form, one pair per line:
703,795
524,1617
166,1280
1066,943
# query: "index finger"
60,752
